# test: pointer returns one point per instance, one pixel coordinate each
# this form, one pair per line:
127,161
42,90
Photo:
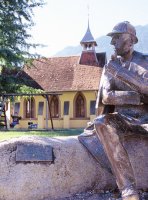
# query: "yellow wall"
64,121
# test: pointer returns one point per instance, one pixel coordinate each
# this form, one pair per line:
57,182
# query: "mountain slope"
104,44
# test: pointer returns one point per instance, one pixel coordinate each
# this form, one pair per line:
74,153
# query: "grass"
5,135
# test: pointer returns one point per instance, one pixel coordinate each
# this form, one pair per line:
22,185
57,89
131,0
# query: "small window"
54,106
80,106
29,107
66,108
16,108
92,107
40,108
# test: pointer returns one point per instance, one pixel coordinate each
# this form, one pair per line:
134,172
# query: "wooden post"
49,112
46,113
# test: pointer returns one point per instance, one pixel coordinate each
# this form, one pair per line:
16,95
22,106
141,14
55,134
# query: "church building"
71,83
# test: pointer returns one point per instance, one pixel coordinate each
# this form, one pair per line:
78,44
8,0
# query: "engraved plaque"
34,153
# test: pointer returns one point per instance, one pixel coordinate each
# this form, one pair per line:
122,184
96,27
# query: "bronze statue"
124,94
122,109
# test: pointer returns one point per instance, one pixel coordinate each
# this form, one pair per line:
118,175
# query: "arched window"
54,106
80,106
29,108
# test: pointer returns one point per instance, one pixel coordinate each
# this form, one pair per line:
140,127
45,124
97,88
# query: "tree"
15,23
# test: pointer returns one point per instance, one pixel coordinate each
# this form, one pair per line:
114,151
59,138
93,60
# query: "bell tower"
88,55
88,43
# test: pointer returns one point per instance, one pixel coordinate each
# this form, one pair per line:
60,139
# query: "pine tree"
15,23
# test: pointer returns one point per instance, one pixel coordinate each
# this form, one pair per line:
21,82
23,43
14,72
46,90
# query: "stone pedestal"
74,170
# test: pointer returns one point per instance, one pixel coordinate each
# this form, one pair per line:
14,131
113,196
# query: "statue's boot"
131,197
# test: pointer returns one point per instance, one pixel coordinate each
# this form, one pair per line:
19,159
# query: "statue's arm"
110,96
138,82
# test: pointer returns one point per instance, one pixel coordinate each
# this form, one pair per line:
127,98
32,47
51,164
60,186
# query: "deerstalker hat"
124,27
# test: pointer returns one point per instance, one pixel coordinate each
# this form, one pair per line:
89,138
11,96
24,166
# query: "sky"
62,23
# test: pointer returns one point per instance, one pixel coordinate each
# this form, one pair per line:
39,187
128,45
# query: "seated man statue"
124,87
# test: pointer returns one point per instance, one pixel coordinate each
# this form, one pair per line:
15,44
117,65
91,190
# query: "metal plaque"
34,153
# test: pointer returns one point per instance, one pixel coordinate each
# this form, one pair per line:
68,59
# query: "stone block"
73,171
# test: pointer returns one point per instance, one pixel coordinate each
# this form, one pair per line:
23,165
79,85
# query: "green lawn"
5,135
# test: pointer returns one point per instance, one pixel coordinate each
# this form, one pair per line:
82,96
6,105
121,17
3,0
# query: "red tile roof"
64,74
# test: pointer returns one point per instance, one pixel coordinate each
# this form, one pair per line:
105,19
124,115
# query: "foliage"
30,90
15,22
11,81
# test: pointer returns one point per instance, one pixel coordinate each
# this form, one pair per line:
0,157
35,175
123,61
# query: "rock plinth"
74,170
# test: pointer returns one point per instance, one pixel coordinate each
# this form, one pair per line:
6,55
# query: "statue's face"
122,43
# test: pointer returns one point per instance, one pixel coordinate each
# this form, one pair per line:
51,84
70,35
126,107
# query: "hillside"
104,44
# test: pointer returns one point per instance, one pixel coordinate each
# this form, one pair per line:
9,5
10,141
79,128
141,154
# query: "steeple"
88,55
88,42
